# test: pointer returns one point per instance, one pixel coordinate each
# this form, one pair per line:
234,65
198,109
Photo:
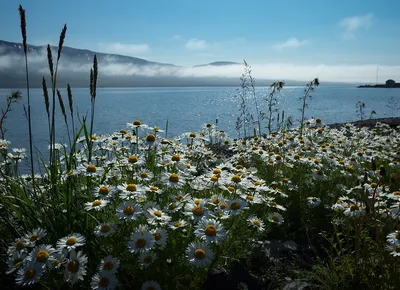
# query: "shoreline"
393,122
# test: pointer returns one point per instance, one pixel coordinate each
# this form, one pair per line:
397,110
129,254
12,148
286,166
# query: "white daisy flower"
98,204
236,206
129,211
35,235
313,201
152,188
173,180
394,249
275,218
156,216
71,242
109,264
199,254
43,254
151,285
145,175
178,224
129,190
196,211
393,238
15,261
354,210
90,170
104,191
103,280
256,223
29,274
104,229
75,267
160,237
19,245
141,242
147,258
210,230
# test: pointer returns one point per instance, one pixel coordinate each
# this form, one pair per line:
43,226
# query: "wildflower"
210,230
71,242
256,223
145,175
104,229
90,170
196,211
128,211
43,255
174,180
19,245
393,238
75,267
275,218
235,206
15,261
103,280
354,210
160,237
395,249
141,242
109,264
98,204
156,216
29,274
313,202
199,254
178,224
147,258
151,285
104,191
35,235
129,190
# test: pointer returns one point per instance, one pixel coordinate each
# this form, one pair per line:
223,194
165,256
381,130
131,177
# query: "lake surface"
187,108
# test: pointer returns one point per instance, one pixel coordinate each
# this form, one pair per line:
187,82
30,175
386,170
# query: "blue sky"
307,33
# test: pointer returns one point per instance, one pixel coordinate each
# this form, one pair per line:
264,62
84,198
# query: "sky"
334,39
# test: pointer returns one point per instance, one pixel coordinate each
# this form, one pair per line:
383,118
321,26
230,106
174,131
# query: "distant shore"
370,123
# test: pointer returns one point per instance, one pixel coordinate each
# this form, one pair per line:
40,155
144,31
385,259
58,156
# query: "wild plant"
310,87
272,102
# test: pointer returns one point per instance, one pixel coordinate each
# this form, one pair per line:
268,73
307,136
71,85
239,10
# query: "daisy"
354,210
199,254
104,229
177,225
141,242
71,242
15,261
196,211
128,211
19,245
156,216
145,175
98,204
395,249
75,267
129,190
160,237
235,206
103,280
393,238
104,191
109,264
275,218
147,258
151,285
35,235
29,274
174,180
90,170
313,202
152,188
43,255
174,207
256,223
255,198
220,214
210,230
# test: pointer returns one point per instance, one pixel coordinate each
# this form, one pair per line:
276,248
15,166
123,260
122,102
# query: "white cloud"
196,44
123,49
355,23
290,43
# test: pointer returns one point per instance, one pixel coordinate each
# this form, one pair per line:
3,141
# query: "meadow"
311,207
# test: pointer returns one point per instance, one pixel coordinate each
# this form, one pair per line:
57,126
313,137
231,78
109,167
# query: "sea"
186,109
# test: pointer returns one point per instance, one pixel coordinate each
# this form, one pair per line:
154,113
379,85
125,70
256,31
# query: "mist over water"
186,109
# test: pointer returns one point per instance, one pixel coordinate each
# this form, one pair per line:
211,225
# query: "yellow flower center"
20,245
192,135
131,187
296,156
30,273
150,138
96,203
132,159
200,254
215,200
157,213
144,174
197,211
256,223
278,157
103,190
71,241
234,206
140,243
354,207
137,123
93,137
174,177
104,282
73,266
216,171
172,206
398,249
129,210
34,237
250,197
91,168
236,179
42,256
105,228
108,266
177,224
214,178
211,231
223,205
374,185
275,218
154,188
176,157
123,131
157,236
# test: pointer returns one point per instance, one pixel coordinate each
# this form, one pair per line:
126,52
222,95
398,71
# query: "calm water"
187,108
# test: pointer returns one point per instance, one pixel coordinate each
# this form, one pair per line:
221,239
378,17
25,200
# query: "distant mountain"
218,63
